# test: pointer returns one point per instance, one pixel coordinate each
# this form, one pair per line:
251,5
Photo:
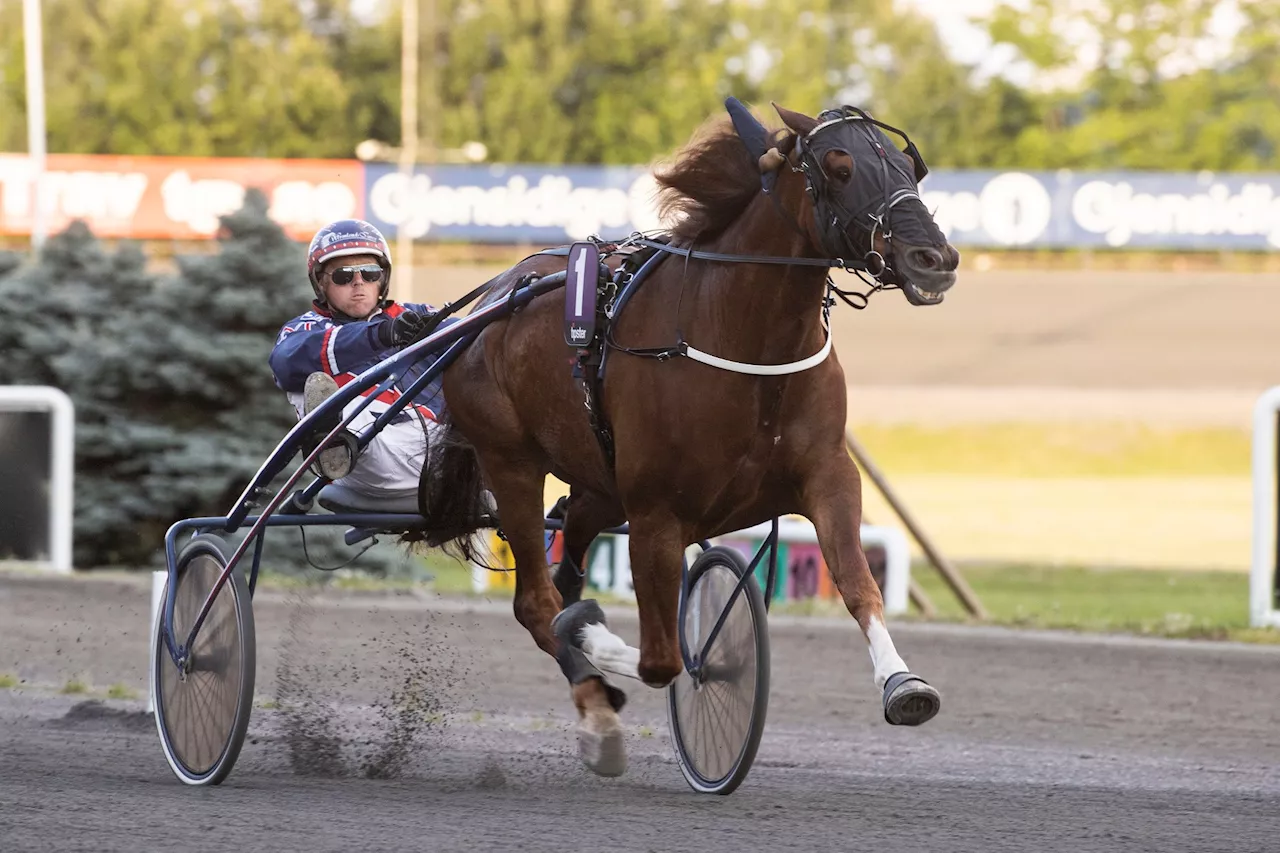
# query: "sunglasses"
371,273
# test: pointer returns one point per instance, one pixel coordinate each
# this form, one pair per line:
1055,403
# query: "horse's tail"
451,495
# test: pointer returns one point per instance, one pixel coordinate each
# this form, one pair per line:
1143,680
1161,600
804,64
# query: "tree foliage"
1143,84
1117,83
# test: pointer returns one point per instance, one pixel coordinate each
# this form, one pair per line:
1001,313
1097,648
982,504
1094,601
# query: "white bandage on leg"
609,652
884,657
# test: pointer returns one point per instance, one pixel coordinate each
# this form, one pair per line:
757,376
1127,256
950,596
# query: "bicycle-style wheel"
202,710
717,713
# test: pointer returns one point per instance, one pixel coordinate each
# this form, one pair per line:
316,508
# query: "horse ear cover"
756,139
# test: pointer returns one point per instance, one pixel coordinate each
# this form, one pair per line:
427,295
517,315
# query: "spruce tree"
55,303
59,309
9,261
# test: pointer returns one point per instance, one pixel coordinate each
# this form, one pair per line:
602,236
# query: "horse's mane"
708,184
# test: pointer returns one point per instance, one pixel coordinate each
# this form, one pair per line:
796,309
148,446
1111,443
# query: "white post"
62,452
897,564
33,47
62,471
158,581
1262,574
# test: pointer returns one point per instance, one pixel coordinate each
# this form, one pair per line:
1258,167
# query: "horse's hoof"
909,701
602,747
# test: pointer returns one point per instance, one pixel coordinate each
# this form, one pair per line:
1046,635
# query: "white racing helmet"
348,237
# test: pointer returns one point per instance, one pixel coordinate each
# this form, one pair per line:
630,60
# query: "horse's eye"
843,173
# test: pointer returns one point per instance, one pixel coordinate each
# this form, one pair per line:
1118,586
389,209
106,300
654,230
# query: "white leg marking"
609,652
884,657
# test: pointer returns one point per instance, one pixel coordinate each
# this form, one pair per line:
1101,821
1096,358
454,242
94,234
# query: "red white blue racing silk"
319,341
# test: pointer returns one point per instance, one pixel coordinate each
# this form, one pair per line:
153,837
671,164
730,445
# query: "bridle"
832,218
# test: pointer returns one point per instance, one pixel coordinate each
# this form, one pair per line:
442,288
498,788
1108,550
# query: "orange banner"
177,198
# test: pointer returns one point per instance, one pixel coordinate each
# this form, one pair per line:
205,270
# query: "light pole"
33,49
403,280
431,131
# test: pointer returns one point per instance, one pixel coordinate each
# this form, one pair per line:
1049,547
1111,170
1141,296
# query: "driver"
351,326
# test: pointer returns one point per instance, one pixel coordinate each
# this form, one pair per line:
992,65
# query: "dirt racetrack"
1045,742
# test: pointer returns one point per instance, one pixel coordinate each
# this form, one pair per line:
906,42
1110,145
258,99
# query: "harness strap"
762,369
754,259
683,348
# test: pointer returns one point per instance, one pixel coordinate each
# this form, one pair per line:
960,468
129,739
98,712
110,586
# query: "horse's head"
865,200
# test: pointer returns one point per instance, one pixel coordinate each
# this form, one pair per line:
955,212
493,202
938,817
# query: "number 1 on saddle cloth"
580,295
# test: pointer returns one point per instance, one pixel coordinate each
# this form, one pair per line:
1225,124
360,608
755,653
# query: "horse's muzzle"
927,272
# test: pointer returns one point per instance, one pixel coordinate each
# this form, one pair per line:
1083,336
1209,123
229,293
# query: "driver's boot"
336,460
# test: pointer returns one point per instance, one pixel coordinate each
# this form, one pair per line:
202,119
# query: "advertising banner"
181,198
174,197
545,205
1147,210
511,204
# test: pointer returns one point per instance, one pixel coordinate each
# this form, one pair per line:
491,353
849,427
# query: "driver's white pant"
391,465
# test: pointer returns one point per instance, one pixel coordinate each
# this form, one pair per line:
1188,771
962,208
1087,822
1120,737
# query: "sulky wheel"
202,709
717,710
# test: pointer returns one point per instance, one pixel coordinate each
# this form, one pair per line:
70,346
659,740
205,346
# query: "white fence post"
42,398
158,580
1262,576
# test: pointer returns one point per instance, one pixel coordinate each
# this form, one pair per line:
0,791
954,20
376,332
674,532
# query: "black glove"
407,328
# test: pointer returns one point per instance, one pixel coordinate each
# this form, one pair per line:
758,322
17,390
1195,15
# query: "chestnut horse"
697,450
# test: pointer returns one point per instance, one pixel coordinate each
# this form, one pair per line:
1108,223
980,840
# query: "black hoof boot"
567,626
601,744
909,701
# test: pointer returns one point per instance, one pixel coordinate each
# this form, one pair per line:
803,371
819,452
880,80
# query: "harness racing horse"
682,445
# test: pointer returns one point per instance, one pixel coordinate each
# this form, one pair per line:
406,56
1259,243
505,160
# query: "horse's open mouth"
917,295
925,273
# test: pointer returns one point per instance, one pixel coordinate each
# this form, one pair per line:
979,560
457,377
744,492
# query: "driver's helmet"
348,237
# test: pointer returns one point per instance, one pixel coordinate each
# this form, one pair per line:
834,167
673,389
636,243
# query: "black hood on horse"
884,178
865,195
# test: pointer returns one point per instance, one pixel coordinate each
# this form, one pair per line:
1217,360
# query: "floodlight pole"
402,281
33,49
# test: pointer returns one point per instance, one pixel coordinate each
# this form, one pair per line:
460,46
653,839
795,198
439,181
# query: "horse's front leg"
656,557
832,500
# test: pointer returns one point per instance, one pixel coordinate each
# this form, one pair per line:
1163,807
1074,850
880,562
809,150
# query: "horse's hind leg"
655,564
832,498
517,487
587,513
